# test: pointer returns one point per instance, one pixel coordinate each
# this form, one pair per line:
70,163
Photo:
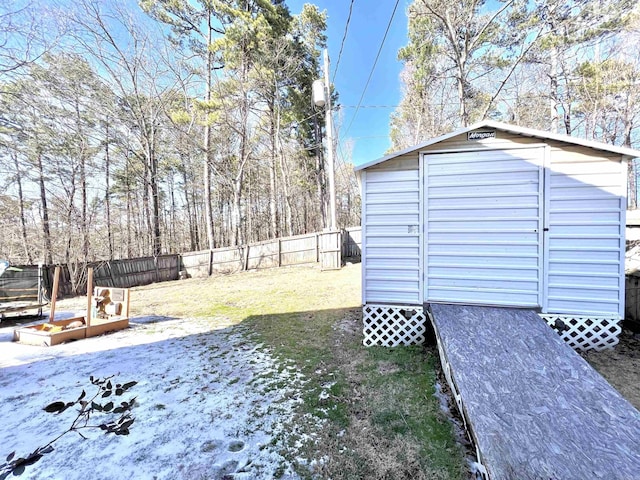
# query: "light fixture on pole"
322,98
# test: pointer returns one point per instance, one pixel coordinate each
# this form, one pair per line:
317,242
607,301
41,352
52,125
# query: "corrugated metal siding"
391,234
586,198
483,213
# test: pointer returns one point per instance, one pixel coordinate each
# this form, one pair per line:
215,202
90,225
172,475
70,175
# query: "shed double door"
483,215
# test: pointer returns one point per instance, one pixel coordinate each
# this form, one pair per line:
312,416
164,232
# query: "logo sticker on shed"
481,135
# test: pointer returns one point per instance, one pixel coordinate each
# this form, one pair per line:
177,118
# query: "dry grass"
380,419
396,428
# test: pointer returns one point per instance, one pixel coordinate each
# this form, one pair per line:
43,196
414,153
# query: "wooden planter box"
38,335
95,323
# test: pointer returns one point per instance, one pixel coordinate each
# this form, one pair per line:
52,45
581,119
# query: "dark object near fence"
632,303
352,242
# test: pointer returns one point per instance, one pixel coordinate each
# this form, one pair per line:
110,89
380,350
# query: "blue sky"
370,128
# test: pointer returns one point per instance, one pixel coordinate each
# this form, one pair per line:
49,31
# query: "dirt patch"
387,368
621,366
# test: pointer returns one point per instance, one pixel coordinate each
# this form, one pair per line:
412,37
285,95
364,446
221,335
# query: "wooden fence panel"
263,255
299,249
133,272
352,242
227,260
102,275
196,264
168,267
331,250
65,286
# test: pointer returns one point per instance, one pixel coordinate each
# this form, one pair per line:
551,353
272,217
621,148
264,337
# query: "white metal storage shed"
500,215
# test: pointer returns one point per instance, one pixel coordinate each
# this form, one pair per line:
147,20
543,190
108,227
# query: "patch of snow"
209,403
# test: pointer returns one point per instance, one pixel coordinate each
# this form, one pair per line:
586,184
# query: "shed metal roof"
527,132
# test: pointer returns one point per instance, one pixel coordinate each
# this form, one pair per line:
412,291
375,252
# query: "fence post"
40,286
245,263
279,252
155,264
210,268
317,247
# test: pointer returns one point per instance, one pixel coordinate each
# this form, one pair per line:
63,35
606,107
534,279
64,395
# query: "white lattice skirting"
393,326
585,333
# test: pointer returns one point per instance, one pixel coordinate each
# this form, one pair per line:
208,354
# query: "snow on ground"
210,403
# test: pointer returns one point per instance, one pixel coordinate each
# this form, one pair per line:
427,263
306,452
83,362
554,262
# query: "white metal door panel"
585,215
483,227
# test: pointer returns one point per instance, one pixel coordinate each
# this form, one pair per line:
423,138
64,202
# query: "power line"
373,67
344,37
367,106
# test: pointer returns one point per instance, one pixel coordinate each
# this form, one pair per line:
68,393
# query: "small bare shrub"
117,419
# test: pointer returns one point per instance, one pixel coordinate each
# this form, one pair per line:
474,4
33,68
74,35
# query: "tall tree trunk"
207,143
187,201
46,233
236,211
70,230
632,202
107,191
553,90
195,204
285,191
23,221
243,154
462,109
273,218
146,218
83,186
172,245
155,204
129,213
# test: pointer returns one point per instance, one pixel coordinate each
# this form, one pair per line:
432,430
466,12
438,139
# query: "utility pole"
322,99
333,224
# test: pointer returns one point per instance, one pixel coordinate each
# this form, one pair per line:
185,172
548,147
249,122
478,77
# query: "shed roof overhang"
527,132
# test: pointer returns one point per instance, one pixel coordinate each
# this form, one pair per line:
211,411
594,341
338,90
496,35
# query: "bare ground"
621,366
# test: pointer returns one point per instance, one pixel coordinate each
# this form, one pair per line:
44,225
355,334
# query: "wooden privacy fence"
125,273
280,252
322,247
326,248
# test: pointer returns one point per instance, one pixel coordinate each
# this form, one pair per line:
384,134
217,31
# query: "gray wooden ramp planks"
537,409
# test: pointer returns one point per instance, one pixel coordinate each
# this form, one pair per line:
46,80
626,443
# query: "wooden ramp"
535,408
